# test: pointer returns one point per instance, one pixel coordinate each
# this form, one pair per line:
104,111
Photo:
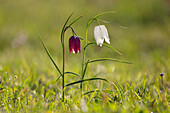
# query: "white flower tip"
78,51
73,52
108,42
107,39
100,45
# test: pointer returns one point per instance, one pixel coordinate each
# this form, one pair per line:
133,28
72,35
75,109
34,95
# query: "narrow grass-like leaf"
72,73
104,13
137,95
94,18
119,85
112,48
86,64
131,89
107,91
144,85
117,90
91,97
52,82
89,44
109,59
57,79
112,23
89,79
64,27
104,45
84,72
25,81
75,20
6,105
97,74
49,54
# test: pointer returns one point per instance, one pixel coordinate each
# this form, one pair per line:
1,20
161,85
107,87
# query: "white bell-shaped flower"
101,34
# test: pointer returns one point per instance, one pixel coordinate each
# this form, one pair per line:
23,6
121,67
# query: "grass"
27,82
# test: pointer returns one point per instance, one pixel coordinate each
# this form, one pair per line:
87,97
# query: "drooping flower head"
101,34
74,44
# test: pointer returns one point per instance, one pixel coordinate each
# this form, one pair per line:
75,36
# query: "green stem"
63,64
84,52
64,56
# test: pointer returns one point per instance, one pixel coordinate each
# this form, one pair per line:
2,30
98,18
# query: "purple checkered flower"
74,44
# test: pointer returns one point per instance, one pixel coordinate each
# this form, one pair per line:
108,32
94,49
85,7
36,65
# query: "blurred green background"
146,42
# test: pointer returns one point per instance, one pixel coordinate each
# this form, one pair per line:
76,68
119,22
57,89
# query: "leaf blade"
81,84
112,23
89,79
64,27
86,64
107,91
72,73
104,13
49,54
94,18
76,20
109,59
104,45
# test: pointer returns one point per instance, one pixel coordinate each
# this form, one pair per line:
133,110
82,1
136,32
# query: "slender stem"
64,56
85,43
84,53
63,65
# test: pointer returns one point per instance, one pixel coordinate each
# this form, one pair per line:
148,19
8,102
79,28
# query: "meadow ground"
27,75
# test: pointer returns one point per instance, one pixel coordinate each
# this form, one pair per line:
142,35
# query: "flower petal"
105,33
72,44
98,35
78,45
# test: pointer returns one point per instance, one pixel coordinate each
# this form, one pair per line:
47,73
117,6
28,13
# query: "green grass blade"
137,95
109,59
49,54
112,49
112,23
104,13
52,82
75,20
72,73
119,85
56,79
104,45
84,72
89,44
86,64
89,79
91,97
117,89
89,92
94,18
64,27
6,105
